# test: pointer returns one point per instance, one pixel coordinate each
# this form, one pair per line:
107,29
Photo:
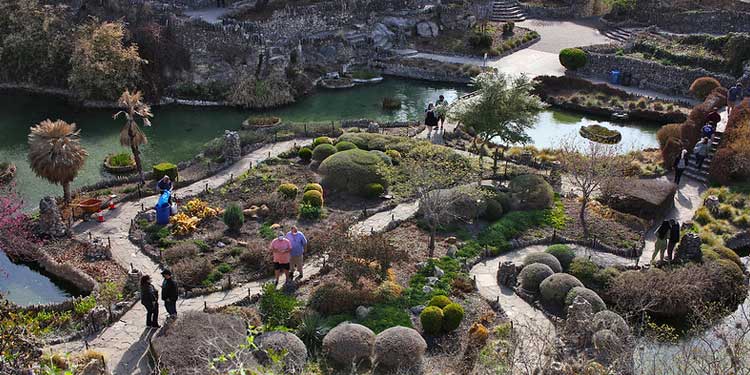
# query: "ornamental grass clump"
233,217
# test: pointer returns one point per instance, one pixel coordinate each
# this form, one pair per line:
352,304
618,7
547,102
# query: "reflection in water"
24,285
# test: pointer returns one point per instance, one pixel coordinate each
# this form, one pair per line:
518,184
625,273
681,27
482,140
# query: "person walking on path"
441,106
299,243
701,152
281,249
713,117
662,233
169,293
674,238
150,299
708,130
734,96
680,163
430,118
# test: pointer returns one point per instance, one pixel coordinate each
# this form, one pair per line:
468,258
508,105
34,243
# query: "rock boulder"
427,29
647,199
50,220
296,352
349,344
689,248
399,348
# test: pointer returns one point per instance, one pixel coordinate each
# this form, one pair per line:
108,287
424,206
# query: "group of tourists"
667,237
435,114
700,150
736,94
287,250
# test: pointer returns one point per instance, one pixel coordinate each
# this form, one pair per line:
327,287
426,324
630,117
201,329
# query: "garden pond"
25,284
179,131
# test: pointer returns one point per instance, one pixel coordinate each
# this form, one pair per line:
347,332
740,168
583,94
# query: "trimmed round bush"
530,192
563,253
494,210
393,154
165,169
313,186
349,344
289,191
351,171
296,352
313,198
533,275
728,254
504,200
320,141
555,289
610,320
452,316
305,154
597,304
583,269
399,348
323,151
440,301
382,155
573,58
343,146
374,190
432,320
703,86
543,258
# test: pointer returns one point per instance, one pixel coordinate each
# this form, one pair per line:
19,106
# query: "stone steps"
506,11
702,174
355,37
617,33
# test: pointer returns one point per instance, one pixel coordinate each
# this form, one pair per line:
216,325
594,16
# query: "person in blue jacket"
165,184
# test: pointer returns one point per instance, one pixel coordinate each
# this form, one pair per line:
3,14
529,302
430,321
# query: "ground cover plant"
493,39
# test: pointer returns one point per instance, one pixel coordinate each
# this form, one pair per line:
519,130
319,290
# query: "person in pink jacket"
281,250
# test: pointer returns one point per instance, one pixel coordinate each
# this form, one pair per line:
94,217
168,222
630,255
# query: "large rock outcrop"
647,199
50,220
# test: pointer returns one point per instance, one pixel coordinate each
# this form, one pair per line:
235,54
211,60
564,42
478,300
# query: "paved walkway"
210,15
125,343
384,221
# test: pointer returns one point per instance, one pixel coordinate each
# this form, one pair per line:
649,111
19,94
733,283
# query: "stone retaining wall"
398,70
705,21
541,11
649,75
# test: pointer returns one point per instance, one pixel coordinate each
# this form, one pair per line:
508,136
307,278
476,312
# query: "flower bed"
494,41
119,163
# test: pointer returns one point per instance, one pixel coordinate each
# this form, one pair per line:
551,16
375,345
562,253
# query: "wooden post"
206,187
231,177
109,242
142,207
205,305
91,237
131,267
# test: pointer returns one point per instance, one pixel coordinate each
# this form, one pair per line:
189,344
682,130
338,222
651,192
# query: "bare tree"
589,166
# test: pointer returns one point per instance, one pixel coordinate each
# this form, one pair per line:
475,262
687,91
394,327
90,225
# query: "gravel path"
125,343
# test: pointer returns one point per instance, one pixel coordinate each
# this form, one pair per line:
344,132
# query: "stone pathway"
210,15
125,343
386,220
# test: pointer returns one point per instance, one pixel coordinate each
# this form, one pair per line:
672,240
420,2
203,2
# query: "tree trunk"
582,216
433,233
137,158
66,192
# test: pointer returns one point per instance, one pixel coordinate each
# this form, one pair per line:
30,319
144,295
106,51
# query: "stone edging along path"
125,343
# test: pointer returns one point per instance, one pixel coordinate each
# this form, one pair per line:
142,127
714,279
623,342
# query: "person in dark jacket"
430,117
150,299
713,117
674,238
680,163
169,293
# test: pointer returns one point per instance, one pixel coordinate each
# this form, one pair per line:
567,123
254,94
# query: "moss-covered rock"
343,146
543,258
351,171
323,151
533,275
555,289
610,320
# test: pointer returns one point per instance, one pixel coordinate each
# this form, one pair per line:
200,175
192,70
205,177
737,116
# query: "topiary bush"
305,154
573,58
666,132
432,320
728,254
543,258
597,304
533,275
343,146
701,87
165,169
563,253
374,190
323,151
583,269
555,289
531,192
321,140
351,171
494,210
313,186
504,200
452,316
289,191
313,198
440,301
233,217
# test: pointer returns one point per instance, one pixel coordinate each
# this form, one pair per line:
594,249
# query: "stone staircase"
506,11
617,33
701,174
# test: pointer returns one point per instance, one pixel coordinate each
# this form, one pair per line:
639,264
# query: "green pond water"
25,285
179,131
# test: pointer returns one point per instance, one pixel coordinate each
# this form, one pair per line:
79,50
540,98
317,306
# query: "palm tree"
55,153
131,134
